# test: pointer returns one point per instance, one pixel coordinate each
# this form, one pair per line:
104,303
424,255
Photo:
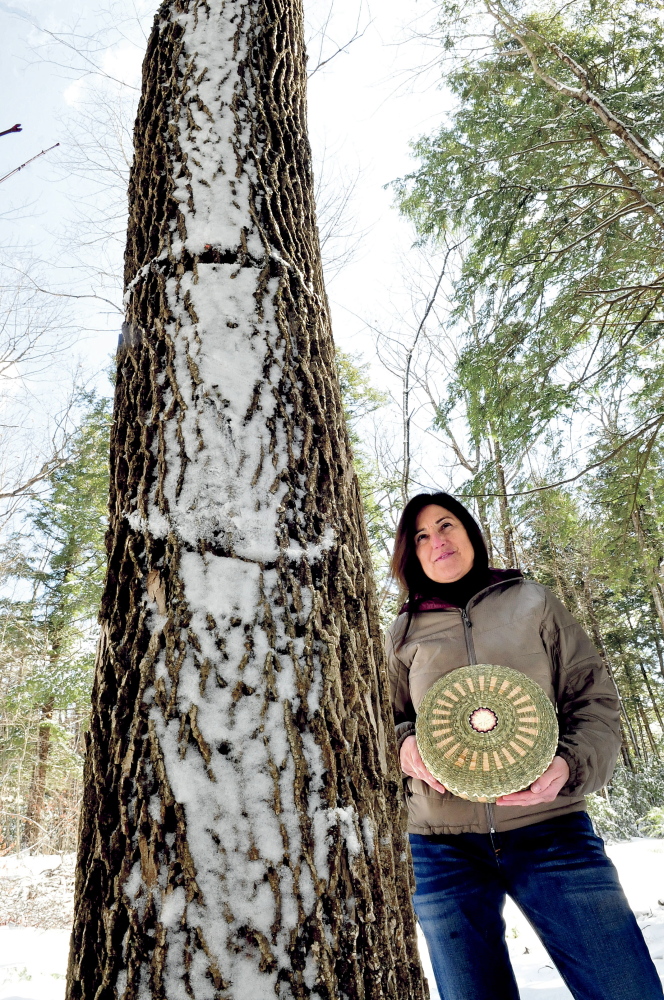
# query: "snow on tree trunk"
241,835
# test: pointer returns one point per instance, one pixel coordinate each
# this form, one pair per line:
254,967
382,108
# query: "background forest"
525,374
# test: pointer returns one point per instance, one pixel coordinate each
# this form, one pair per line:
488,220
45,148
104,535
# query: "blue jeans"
561,879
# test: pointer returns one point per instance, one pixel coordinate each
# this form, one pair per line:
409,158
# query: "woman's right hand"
413,765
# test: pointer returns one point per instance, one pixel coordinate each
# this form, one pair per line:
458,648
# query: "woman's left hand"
544,789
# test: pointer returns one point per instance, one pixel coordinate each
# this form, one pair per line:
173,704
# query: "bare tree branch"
357,34
405,405
657,423
46,470
91,68
31,160
65,295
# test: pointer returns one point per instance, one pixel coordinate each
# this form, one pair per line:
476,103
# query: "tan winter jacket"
520,624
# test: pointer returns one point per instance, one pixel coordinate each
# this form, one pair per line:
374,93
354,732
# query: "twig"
406,378
656,423
26,819
46,470
31,160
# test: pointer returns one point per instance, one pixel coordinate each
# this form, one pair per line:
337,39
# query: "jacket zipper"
467,628
472,658
470,646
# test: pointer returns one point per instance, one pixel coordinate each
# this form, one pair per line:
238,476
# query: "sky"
365,106
363,114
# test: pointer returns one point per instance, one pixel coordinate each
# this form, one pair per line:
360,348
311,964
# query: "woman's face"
442,545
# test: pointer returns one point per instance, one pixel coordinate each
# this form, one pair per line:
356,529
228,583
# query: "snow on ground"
33,960
33,963
37,891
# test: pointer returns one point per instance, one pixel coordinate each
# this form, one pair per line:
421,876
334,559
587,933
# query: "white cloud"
73,94
123,62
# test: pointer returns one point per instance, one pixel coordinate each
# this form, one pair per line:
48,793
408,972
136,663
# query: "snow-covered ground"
33,961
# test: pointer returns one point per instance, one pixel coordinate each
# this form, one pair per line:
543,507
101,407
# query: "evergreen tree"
53,573
560,207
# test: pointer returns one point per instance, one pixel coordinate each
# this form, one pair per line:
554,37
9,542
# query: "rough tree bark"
240,835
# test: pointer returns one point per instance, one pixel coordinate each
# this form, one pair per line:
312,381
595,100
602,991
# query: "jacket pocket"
417,787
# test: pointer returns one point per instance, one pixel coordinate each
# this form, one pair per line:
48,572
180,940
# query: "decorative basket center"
483,720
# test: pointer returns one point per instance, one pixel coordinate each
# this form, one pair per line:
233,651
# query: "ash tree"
240,834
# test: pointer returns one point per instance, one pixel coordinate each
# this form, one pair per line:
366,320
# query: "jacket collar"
496,576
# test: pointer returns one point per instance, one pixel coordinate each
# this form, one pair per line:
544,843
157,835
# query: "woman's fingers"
430,780
413,765
556,775
545,789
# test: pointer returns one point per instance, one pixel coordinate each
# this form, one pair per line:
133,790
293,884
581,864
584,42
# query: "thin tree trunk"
407,386
657,637
624,747
646,678
486,527
639,724
37,793
646,724
659,604
598,639
653,584
634,699
653,698
241,833
505,517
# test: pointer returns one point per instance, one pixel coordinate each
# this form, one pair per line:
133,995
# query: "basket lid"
486,730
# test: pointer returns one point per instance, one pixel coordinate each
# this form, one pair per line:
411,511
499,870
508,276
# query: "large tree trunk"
241,835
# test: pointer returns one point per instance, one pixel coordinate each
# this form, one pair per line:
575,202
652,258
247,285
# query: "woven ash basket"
485,731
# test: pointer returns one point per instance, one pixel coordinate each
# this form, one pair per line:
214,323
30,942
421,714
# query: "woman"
536,845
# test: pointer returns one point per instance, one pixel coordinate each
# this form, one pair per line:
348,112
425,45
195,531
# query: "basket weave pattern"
485,730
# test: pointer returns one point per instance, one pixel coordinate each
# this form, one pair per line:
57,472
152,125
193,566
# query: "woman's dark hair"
405,566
